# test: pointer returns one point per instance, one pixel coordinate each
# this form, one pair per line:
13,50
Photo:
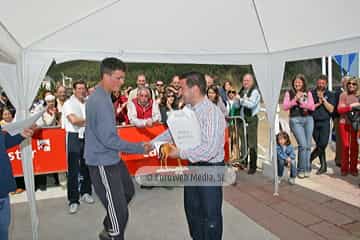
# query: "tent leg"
274,160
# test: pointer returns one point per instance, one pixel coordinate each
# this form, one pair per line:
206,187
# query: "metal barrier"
234,124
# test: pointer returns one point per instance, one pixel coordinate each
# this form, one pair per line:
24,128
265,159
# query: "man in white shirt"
143,111
73,114
141,83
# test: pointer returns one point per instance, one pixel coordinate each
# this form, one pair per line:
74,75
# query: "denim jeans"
4,218
302,128
203,209
281,165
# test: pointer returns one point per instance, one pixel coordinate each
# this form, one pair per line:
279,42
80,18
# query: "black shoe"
251,171
323,167
42,188
321,171
104,235
146,187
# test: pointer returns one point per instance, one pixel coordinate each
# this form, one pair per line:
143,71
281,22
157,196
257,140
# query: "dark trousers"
321,135
115,189
203,209
76,166
251,137
20,182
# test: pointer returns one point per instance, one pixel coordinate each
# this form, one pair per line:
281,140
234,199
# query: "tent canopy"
192,27
263,33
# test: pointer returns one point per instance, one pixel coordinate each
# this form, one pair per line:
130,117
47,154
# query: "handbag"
354,117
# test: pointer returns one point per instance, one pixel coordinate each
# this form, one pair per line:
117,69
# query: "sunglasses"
159,85
232,92
352,83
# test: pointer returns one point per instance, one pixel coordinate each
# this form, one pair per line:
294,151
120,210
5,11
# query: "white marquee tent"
263,33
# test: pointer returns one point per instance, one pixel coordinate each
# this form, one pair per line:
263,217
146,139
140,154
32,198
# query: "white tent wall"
9,80
263,33
21,82
9,48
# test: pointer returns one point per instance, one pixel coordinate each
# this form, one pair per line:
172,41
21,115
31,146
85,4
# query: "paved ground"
332,184
298,213
251,212
156,214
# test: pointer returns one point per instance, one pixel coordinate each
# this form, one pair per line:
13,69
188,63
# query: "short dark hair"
195,79
109,65
79,82
11,111
322,77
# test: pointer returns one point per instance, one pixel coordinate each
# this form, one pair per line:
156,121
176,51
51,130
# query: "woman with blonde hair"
348,108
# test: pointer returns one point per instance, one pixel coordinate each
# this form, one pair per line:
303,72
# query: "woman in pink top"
348,100
299,101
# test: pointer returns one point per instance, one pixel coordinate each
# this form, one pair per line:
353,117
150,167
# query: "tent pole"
323,65
273,159
330,74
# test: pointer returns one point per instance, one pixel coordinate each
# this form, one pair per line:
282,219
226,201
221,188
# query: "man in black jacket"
324,106
7,180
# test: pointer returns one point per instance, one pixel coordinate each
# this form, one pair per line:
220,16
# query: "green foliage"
85,70
89,71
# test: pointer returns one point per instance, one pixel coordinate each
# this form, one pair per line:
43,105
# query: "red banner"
49,150
135,161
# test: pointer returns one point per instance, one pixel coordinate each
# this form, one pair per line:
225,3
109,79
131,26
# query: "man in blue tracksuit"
108,173
7,181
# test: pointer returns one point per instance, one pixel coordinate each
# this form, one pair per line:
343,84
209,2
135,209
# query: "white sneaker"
307,174
292,181
87,198
73,208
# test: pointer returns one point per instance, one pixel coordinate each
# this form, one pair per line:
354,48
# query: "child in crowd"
285,156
